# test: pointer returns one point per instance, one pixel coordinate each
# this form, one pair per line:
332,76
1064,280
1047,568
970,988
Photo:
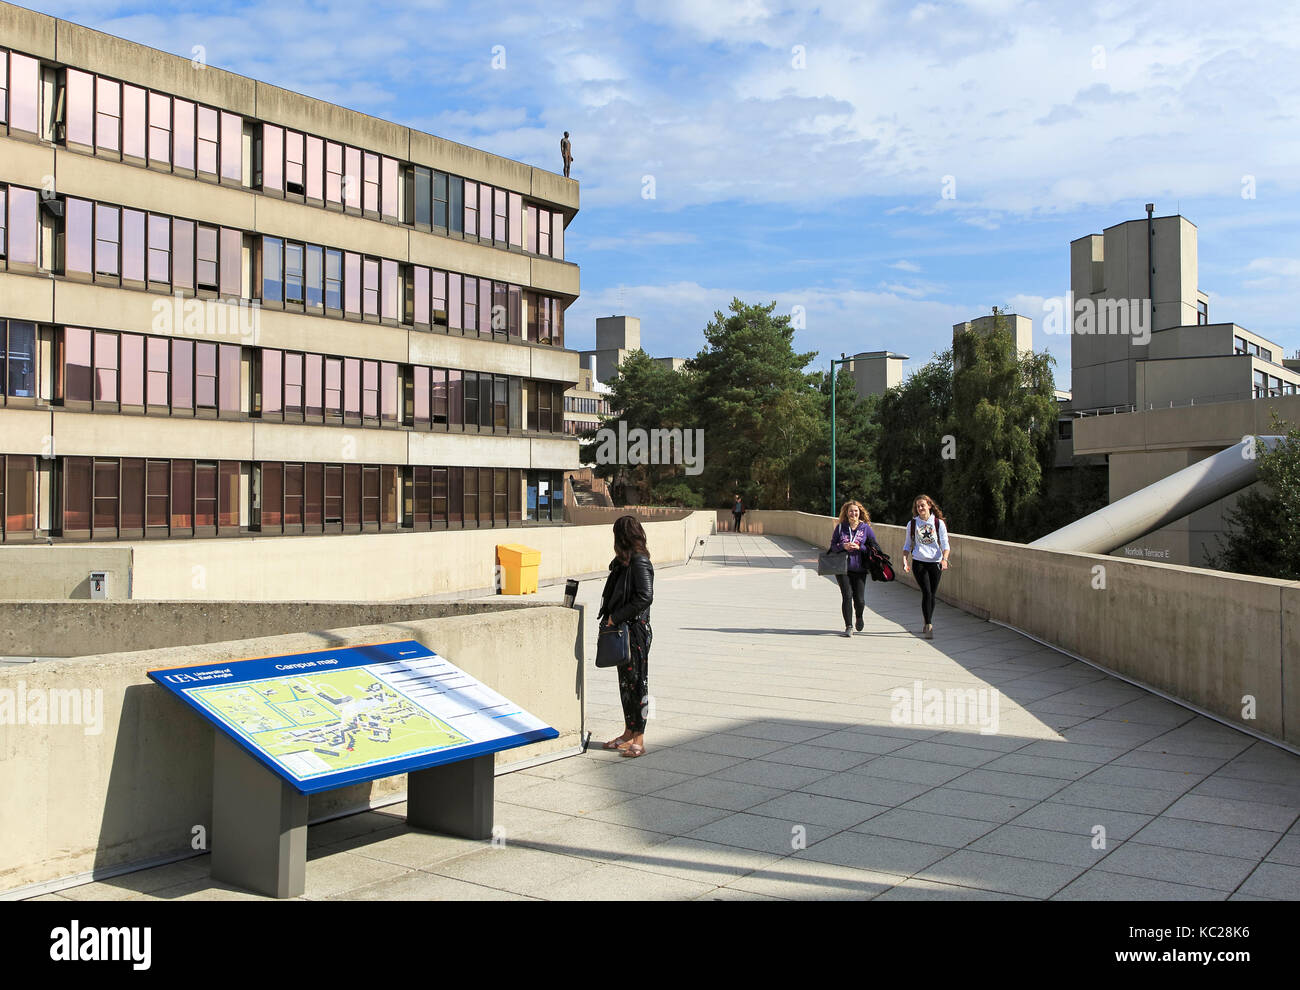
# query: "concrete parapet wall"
1207,637
130,784
363,567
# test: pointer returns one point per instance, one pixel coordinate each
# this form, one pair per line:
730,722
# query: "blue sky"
799,151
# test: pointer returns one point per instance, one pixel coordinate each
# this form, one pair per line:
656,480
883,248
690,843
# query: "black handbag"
836,562
612,646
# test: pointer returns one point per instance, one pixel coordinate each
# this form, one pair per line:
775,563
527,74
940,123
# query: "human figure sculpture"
566,152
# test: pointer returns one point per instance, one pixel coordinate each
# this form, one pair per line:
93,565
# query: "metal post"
834,361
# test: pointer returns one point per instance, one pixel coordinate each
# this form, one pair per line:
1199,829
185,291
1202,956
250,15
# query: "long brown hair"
934,507
629,538
863,514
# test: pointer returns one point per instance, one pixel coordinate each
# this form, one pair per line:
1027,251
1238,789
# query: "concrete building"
1020,327
616,338
585,403
242,311
876,372
1142,336
1180,388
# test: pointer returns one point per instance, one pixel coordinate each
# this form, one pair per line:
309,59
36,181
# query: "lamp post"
842,359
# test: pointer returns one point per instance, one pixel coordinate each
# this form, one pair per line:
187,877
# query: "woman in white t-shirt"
927,546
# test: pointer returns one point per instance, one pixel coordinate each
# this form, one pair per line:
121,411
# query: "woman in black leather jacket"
629,590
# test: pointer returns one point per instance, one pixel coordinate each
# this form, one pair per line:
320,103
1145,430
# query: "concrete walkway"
779,767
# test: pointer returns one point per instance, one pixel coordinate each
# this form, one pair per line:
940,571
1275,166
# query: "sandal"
620,743
634,751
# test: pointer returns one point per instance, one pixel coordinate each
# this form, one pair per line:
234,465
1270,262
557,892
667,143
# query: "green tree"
912,418
856,434
648,396
1265,519
1003,425
755,404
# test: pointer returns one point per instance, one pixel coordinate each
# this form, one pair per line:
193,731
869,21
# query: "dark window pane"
293,262
389,289
208,138
132,369
315,168
272,384
160,248
134,124
314,495
21,377
78,486
108,114
314,385
272,276
183,134
228,494
334,280
105,367
352,284
182,494
440,199
133,245
232,147
79,115
230,378
79,239
205,495
471,398
439,406
182,254
105,519
205,376
456,203
423,193
272,158
455,495
133,494
352,494
314,287
160,128
158,354
107,234
272,496
232,244
333,494
182,374
157,494
455,398
205,257
293,492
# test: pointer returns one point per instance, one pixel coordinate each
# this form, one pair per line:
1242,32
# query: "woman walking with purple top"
852,535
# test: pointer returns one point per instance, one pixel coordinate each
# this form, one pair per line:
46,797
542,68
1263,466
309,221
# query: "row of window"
147,250
146,498
137,249
1270,386
137,125
576,403
132,124
106,370
1240,345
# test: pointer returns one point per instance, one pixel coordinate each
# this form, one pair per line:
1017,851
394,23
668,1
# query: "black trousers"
736,516
927,576
634,677
853,595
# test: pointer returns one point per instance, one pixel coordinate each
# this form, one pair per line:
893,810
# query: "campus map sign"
335,717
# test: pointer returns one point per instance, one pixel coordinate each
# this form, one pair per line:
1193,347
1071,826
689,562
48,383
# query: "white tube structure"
1169,499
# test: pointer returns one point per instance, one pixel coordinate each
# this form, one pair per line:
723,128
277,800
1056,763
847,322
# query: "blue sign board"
343,716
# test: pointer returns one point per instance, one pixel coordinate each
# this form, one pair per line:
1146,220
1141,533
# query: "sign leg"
259,825
455,798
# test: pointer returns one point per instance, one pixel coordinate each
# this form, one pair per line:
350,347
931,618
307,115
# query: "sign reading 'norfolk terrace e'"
322,720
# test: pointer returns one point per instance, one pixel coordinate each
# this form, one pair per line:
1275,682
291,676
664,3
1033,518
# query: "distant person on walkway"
927,544
852,535
737,510
629,590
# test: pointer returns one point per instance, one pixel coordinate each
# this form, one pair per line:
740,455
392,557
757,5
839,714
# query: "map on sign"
322,720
